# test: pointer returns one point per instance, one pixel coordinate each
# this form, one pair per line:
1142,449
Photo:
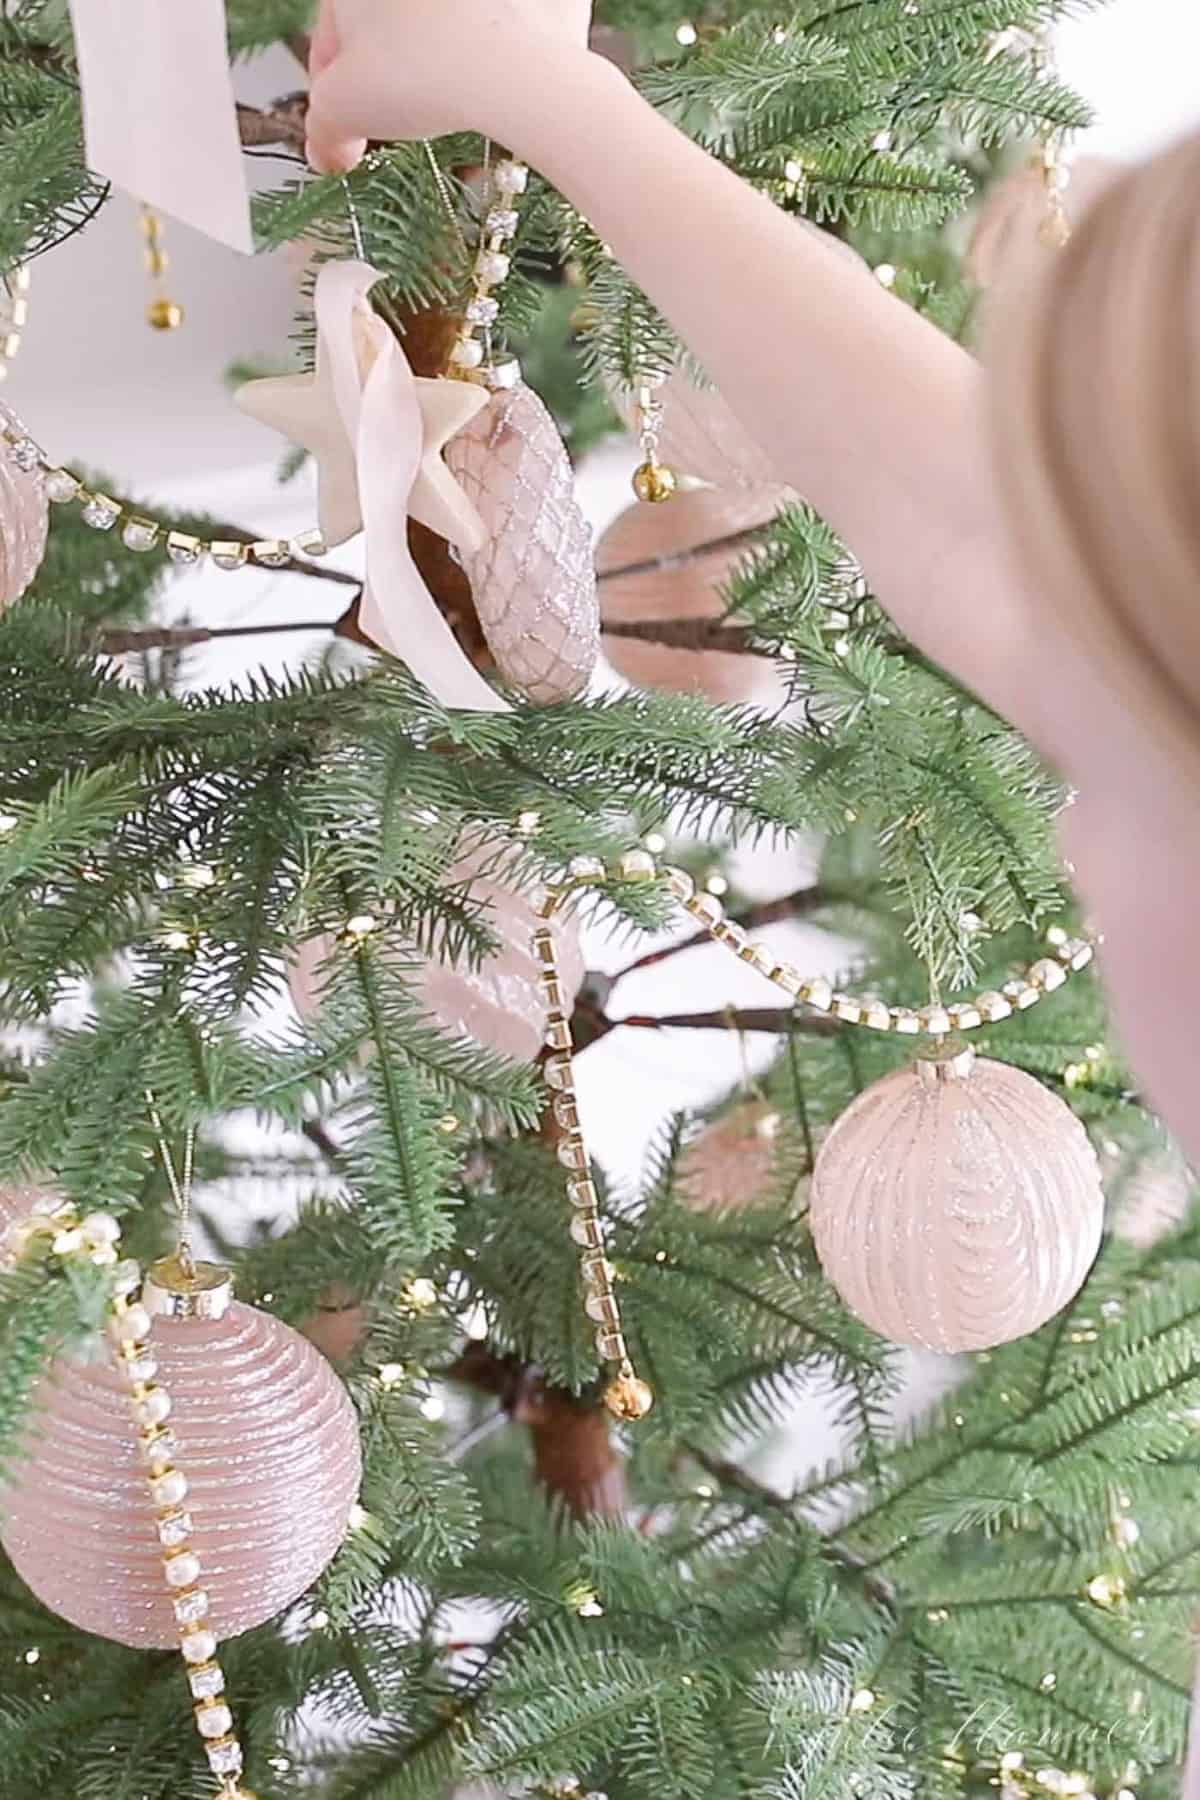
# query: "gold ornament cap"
179,1289
945,1059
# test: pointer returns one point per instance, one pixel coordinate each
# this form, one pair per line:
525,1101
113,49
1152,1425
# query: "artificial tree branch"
688,634
280,123
680,559
796,905
181,637
573,1450
780,1020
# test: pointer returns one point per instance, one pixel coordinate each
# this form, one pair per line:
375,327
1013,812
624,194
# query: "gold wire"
181,1191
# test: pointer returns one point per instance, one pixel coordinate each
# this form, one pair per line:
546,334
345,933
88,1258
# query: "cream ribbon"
377,400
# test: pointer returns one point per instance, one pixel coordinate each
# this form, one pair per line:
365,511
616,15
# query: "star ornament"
320,413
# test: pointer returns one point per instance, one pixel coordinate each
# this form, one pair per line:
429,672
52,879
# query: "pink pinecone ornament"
533,581
956,1204
24,515
267,1447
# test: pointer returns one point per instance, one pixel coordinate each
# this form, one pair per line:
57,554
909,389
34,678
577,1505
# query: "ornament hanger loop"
177,1286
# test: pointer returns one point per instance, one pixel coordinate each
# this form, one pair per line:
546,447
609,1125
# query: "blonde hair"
1096,428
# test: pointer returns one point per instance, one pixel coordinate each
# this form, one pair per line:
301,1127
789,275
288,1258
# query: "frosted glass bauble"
956,1204
730,1164
675,560
24,519
268,1443
498,1001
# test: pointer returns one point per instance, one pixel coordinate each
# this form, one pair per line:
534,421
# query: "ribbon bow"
377,432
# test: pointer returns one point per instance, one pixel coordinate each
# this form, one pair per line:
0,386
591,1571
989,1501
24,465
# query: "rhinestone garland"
139,532
471,357
15,307
94,1237
627,1396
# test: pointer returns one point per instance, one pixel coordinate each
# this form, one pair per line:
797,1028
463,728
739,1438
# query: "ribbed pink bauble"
268,1442
24,519
533,582
728,1167
956,1204
498,1001
687,585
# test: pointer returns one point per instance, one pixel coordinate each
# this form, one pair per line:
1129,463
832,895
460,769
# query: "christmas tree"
545,1582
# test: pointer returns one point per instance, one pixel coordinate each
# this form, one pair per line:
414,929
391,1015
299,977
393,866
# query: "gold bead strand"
162,313
627,1397
653,480
1054,231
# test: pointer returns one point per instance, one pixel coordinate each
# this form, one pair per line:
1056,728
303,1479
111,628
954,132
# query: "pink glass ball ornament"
268,1467
533,582
671,562
24,516
728,1167
956,1204
499,1001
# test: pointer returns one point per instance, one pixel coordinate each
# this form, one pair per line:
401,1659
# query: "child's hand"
419,68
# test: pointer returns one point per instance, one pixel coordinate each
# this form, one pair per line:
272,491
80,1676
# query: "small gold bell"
628,1397
654,482
163,314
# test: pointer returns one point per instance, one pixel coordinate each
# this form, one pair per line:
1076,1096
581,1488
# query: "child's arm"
868,410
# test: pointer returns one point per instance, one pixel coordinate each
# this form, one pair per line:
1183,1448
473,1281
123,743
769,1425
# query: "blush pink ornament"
533,581
730,1165
701,436
956,1204
652,564
498,1001
268,1446
24,519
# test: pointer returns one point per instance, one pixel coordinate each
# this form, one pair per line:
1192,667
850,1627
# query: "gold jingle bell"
164,314
654,482
628,1397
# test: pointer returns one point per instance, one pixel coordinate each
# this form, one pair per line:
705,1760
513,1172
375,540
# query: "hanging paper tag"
159,117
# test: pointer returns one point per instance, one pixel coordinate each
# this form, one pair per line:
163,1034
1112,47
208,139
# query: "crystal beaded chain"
627,1396
94,1238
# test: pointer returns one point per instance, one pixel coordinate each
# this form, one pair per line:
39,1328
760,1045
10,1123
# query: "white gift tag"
158,110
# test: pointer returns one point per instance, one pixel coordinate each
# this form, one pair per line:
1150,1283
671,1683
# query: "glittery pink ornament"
24,519
730,1164
957,1204
19,1199
670,575
498,1001
533,581
267,1441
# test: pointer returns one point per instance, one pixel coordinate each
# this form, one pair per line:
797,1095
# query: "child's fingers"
332,147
